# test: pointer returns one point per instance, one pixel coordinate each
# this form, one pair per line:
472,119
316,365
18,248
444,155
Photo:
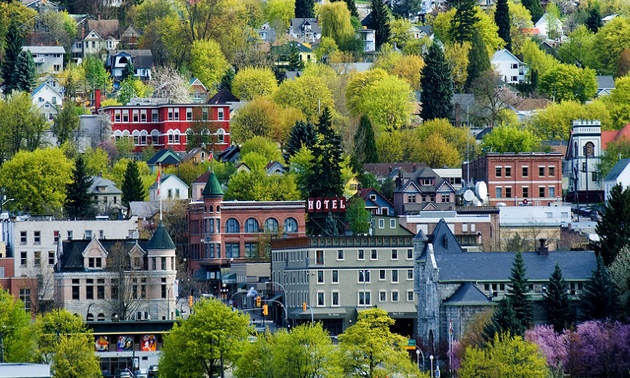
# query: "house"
463,108
452,285
164,158
419,32
199,155
376,203
419,188
171,188
283,53
266,33
107,197
275,168
305,30
368,37
549,27
620,174
129,38
584,152
48,59
142,61
510,68
605,85
518,179
98,38
525,108
198,92
47,100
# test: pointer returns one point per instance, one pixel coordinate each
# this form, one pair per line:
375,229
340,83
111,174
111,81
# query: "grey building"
48,59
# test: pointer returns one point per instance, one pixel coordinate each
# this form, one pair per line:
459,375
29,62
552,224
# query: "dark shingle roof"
161,239
164,157
605,82
72,257
223,96
467,295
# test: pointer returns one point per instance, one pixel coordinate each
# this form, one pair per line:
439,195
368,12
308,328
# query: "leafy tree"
464,20
75,357
132,87
379,22
506,356
206,343
610,41
304,8
619,103
594,20
615,151
485,26
132,187
555,121
207,62
308,94
599,298
510,138
457,57
620,275
370,349
478,60
334,18
614,226
47,194
258,186
503,321
302,135
22,126
623,63
304,352
13,42
52,327
18,338
437,85
569,83
256,359
458,137
352,7
502,19
263,146
279,12
263,117
404,8
251,82
406,67
79,202
66,123
438,153
168,82
357,216
579,48
534,8
556,301
129,71
364,150
24,72
301,165
518,293
95,73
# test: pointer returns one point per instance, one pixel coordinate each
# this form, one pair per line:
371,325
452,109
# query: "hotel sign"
326,204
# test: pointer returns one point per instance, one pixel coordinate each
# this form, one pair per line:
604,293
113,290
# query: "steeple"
213,187
161,239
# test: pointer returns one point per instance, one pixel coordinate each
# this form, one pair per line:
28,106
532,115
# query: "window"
374,255
232,226
497,171
290,225
382,296
499,192
154,115
76,286
410,274
204,114
382,275
411,198
271,225
541,171
125,114
220,116
394,254
364,298
38,258
508,171
514,66
163,263
334,297
251,226
340,254
552,192
232,250
320,276
361,255
188,114
445,198
394,296
155,137
410,296
56,236
525,171
70,234
541,191
409,254
176,193
381,223
551,171
89,288
594,176
100,288
135,116
163,288
320,299
364,276
117,116
25,297
525,192
51,258
143,115
22,237
589,149
251,250
170,114
508,192
23,258
394,275
514,78
392,223
319,257
335,276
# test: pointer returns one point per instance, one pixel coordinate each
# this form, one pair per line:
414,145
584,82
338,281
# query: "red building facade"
167,125
518,179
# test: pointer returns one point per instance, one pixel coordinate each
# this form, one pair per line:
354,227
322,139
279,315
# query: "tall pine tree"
502,19
503,321
556,301
478,60
304,8
613,228
132,187
364,151
379,22
594,19
302,135
518,292
437,84
79,201
24,73
12,49
599,299
535,9
464,20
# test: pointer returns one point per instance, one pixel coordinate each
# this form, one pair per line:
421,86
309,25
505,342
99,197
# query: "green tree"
619,102
251,82
615,151
308,94
13,42
206,343
47,194
267,148
506,356
503,321
569,83
352,7
326,177
463,21
518,293
279,12
555,121
18,338
95,73
303,134
129,71
357,216
510,138
66,123
304,352
364,149
613,228
599,298
579,48
132,87
24,73
485,26
437,85
404,8
22,126
75,357
207,62
295,60
458,138
79,202
132,187
478,60
556,300
610,41
54,326
334,18
370,349
620,275
256,359
502,19
534,8
379,22
263,117
304,8
594,19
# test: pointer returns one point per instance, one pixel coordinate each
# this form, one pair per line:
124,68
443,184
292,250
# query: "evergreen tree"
302,135
502,19
405,8
503,321
556,301
132,187
13,42
599,298
534,8
128,72
364,144
517,292
478,60
437,84
295,61
464,20
24,73
304,8
79,203
379,22
326,178
226,80
614,226
594,19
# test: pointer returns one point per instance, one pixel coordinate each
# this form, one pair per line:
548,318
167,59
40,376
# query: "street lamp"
431,358
418,353
4,202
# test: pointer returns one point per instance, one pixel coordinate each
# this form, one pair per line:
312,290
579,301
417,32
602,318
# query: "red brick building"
166,125
221,232
518,179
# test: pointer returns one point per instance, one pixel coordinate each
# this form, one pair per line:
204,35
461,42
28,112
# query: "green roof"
213,188
161,239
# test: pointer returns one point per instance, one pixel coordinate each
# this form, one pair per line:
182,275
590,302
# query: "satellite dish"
469,195
482,190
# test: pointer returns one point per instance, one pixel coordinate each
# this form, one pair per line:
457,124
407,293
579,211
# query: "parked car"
152,372
107,374
124,373
140,374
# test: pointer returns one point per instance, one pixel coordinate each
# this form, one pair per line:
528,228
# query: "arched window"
155,137
100,317
220,136
271,225
232,226
89,317
290,225
251,226
589,149
210,209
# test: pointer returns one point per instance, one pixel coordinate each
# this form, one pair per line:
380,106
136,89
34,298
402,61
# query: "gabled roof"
223,96
110,187
43,86
528,104
161,239
617,170
298,24
141,58
165,177
385,169
605,82
164,157
230,154
44,49
615,135
504,54
72,250
105,28
443,240
468,295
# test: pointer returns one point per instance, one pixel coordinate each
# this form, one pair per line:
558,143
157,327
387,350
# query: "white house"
171,187
511,69
548,24
48,59
620,174
368,37
47,100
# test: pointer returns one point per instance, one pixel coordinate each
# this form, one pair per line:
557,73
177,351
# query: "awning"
400,310
319,313
229,278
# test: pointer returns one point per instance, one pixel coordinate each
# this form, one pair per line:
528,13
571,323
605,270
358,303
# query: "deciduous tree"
555,121
75,357
21,125
168,82
569,83
66,123
304,352
308,94
18,337
357,216
437,85
251,82
611,40
279,12
334,19
207,62
510,138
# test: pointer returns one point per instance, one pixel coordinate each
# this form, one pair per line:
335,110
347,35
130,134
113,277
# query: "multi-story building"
584,154
107,197
510,68
164,126
420,189
522,179
48,59
98,37
142,61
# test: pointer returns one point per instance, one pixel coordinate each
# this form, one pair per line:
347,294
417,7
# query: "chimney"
97,99
542,248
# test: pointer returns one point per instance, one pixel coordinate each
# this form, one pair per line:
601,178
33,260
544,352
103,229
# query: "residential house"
47,100
368,37
510,68
549,27
452,285
419,188
619,174
171,188
453,175
283,53
464,109
164,158
583,156
98,39
48,59
605,85
129,38
305,30
518,179
525,108
107,197
198,92
142,61
275,168
419,32
198,155
266,33
376,203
